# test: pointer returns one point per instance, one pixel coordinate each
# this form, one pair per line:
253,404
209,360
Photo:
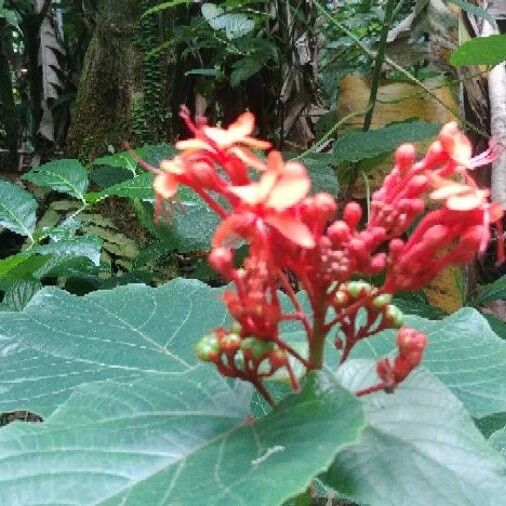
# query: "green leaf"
159,424
20,293
357,145
18,267
17,209
87,246
151,154
498,441
10,16
64,176
235,25
419,447
165,6
463,352
480,51
130,330
415,303
244,69
490,292
139,187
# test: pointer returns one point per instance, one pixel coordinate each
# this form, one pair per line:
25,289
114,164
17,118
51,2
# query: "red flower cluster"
289,231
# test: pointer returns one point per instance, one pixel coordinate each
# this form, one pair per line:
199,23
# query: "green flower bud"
357,288
208,348
254,348
394,316
381,301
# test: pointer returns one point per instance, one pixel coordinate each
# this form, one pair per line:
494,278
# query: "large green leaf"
17,209
463,352
131,330
480,51
420,447
357,145
20,293
160,430
65,176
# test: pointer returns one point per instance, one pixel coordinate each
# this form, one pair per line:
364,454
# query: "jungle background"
338,84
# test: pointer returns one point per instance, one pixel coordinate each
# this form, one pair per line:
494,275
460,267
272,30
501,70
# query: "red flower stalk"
289,231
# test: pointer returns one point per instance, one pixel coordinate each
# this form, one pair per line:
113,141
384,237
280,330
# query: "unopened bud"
381,301
255,349
394,316
358,289
230,343
221,260
352,214
405,156
338,232
208,348
325,205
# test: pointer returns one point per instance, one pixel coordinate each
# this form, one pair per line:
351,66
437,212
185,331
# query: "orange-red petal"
292,229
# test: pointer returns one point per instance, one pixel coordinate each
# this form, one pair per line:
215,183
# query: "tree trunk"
9,116
102,111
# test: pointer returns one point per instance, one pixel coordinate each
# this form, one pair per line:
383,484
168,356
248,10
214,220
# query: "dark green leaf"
480,51
87,246
357,145
139,187
17,209
492,291
65,176
420,447
20,293
244,69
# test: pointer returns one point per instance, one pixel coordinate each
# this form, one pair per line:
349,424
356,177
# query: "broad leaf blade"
65,176
17,209
420,447
180,441
59,340
480,51
463,352
20,293
357,145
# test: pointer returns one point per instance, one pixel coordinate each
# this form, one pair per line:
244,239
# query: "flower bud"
325,205
230,343
255,349
352,214
381,301
341,298
358,289
221,260
208,348
393,316
405,156
338,232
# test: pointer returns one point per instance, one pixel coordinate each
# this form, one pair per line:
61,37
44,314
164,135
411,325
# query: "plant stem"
378,62
317,340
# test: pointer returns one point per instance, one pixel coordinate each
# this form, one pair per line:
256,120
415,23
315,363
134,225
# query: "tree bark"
102,110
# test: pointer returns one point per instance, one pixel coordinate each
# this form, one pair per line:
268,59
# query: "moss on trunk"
102,111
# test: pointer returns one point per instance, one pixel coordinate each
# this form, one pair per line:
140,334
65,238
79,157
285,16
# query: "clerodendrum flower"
289,231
